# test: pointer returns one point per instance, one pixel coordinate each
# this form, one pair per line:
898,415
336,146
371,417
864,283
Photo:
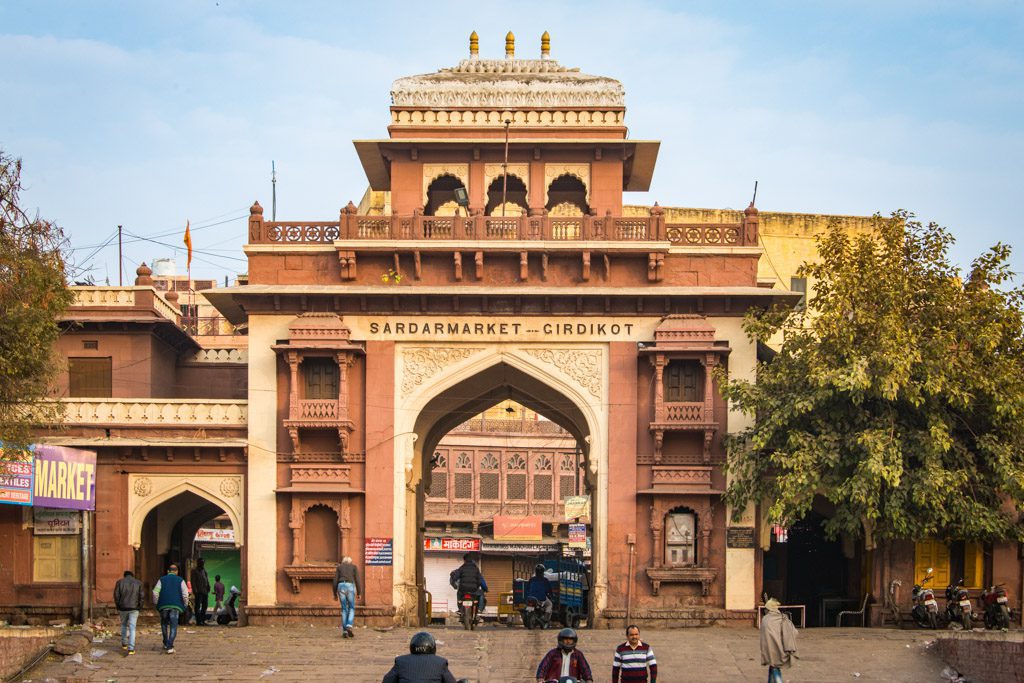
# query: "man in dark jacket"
128,599
422,665
201,589
468,579
564,660
346,589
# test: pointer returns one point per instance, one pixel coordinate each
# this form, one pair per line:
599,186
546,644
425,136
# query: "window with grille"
321,378
89,377
490,478
439,477
464,479
515,477
680,539
683,382
567,477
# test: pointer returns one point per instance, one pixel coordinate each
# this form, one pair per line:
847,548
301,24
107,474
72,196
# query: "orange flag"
188,243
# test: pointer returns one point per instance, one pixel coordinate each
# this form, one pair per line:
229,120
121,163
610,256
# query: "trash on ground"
76,658
269,671
952,675
97,653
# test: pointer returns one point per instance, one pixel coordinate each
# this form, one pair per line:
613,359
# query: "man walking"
170,595
128,599
201,589
346,589
218,594
634,659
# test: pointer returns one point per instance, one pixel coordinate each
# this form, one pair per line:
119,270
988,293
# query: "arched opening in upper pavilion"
497,451
514,193
441,196
567,196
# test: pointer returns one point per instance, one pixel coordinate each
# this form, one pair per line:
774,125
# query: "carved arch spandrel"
432,172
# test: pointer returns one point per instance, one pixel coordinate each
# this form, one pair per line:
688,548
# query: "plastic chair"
860,613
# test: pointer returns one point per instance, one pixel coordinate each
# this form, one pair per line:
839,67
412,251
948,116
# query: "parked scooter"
229,612
925,611
997,607
958,605
535,615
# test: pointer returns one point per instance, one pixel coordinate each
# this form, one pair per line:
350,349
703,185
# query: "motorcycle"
997,607
925,611
468,602
534,614
958,605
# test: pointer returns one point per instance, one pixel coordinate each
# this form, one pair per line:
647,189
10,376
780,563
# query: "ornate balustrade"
204,326
88,296
324,409
155,412
695,413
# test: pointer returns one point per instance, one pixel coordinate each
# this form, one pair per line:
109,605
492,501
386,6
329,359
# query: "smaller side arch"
149,491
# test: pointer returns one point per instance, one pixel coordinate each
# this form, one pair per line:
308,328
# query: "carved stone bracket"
705,576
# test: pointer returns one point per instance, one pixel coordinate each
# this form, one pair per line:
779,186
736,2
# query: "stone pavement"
493,653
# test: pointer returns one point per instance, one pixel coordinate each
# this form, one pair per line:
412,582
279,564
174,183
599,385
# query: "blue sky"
146,114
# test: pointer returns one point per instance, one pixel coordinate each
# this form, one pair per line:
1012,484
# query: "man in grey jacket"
128,599
778,640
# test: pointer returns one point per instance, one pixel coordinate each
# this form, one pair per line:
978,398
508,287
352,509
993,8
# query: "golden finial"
510,45
474,45
545,45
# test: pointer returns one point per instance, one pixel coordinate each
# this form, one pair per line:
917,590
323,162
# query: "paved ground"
493,653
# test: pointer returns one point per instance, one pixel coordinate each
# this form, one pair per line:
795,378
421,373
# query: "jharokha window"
321,376
439,476
515,477
680,539
490,478
684,382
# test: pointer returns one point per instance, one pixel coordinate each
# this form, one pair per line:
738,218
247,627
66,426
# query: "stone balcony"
138,301
551,230
122,412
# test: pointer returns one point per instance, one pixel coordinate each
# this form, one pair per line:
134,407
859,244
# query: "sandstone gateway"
491,261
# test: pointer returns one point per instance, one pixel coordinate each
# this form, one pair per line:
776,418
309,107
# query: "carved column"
659,387
295,524
293,387
706,524
657,526
710,363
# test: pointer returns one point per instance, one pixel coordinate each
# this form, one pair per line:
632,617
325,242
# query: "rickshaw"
568,589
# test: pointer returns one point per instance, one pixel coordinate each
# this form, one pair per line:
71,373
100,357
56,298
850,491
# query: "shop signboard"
17,474
522,548
451,545
48,477
507,528
49,522
64,478
215,536
576,507
577,535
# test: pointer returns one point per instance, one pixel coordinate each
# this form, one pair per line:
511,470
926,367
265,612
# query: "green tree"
33,292
897,395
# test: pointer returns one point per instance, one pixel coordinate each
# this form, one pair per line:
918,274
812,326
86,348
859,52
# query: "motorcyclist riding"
421,665
538,588
468,579
564,660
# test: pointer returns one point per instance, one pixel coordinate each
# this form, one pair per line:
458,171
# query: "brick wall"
988,658
19,645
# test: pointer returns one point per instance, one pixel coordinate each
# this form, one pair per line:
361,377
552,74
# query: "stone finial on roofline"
545,45
474,45
510,45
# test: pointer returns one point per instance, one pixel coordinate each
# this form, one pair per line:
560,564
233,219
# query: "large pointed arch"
449,386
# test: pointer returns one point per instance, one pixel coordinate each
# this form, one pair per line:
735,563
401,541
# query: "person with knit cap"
778,640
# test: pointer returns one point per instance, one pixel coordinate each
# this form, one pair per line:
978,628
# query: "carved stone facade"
419,364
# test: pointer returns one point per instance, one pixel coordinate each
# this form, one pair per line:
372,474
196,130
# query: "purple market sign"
64,478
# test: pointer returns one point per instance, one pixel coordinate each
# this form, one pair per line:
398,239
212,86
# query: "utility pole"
273,184
504,171
120,263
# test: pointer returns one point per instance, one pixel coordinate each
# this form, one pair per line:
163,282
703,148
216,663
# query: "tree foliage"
33,292
897,395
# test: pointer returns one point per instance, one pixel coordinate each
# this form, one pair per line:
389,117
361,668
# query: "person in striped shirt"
633,659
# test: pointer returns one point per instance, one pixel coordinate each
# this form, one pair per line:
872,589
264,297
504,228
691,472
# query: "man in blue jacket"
170,595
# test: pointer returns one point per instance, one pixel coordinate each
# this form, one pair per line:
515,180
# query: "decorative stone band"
489,116
221,356
169,412
126,297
